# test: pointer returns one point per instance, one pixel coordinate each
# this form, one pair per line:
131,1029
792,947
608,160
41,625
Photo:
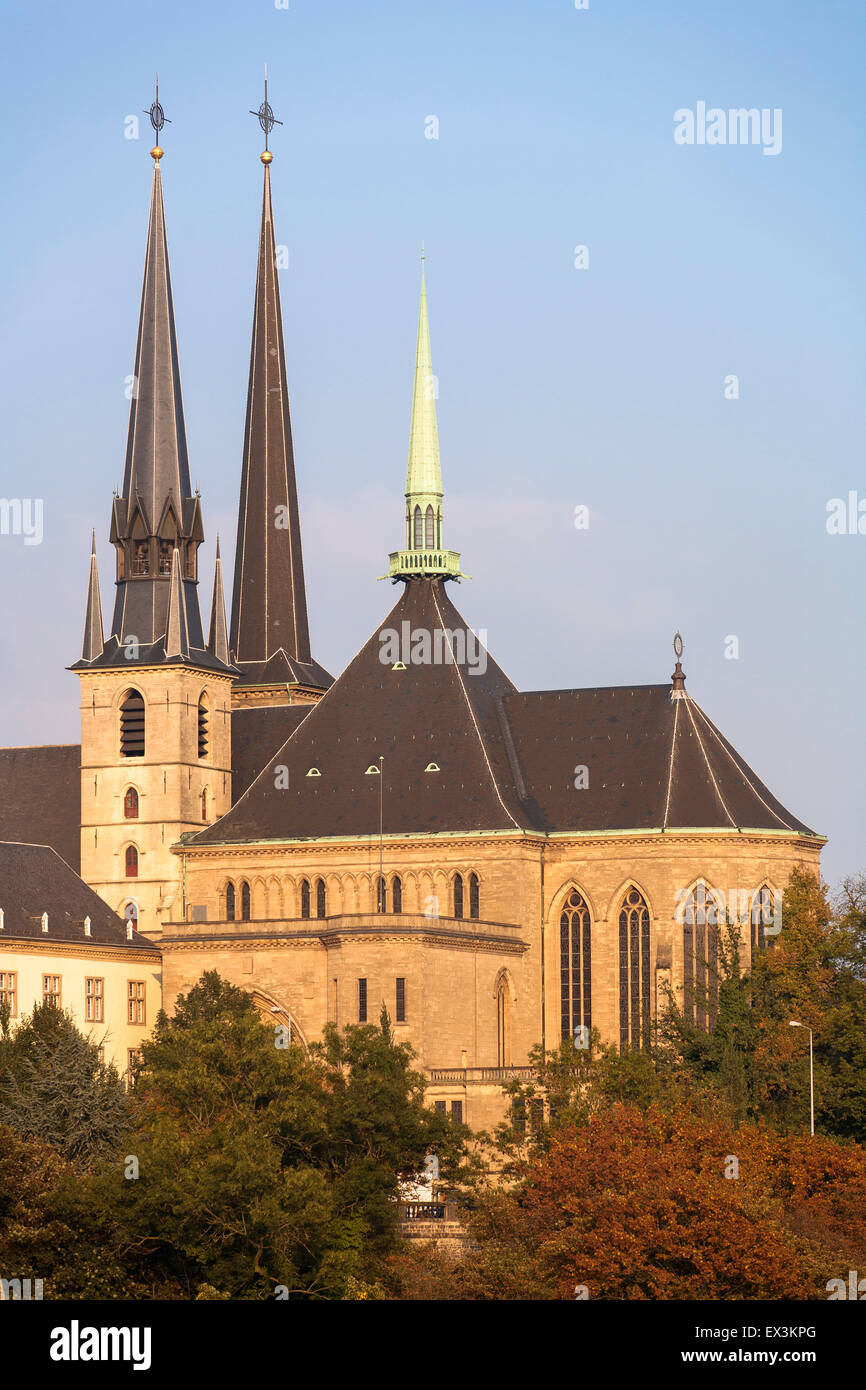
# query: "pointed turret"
218,642
270,639
424,554
94,641
176,632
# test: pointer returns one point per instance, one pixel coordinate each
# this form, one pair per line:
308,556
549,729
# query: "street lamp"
794,1024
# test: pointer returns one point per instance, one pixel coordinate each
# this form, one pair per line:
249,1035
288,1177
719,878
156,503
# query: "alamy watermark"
736,126
442,647
22,516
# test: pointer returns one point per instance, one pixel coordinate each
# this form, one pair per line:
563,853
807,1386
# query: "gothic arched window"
381,895
204,804
130,804
503,1024
320,897
458,895
439,528
700,956
245,901
165,553
473,895
418,530
396,894
132,725
141,560
575,967
131,861
429,529
634,971
763,913
230,903
305,898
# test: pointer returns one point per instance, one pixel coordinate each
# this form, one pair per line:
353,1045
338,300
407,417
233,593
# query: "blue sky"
558,386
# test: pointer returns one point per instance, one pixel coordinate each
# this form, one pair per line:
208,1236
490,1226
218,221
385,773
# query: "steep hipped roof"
506,760
428,713
651,763
40,798
35,880
270,636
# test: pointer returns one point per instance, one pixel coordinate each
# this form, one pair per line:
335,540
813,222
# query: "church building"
499,868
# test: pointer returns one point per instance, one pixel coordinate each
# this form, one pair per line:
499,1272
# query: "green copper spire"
424,554
424,474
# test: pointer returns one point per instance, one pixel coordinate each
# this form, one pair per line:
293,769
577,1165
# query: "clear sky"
558,386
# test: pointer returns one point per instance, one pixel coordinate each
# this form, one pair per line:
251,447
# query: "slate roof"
40,798
258,732
506,759
34,879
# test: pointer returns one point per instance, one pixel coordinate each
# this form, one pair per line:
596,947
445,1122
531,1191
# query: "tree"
661,1204
259,1166
751,1059
53,1086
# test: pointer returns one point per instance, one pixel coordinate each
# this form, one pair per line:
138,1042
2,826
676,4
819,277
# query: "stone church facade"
498,868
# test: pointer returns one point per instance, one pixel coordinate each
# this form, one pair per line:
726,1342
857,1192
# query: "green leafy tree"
259,1165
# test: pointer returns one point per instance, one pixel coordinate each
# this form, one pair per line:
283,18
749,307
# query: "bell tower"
155,696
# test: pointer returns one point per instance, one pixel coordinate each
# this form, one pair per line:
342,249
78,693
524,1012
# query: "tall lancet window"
762,914
458,895
634,971
575,967
439,529
165,553
245,902
700,955
418,543
429,529
141,562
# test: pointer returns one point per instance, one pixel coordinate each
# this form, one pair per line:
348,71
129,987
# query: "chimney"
87,926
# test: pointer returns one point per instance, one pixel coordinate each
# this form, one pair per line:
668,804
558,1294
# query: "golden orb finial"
266,157
157,153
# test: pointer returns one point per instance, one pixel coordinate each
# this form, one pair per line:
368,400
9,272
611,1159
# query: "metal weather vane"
157,116
265,113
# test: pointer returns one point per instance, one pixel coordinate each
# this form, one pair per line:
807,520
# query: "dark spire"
218,642
269,607
94,640
156,511
156,524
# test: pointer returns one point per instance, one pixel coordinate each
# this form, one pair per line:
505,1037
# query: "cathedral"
499,868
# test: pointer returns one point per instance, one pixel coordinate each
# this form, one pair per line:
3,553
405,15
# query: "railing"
423,1211
469,1075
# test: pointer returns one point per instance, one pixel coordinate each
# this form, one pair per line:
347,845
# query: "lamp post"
380,894
795,1024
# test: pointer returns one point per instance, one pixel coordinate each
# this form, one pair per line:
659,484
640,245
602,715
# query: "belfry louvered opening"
202,728
132,725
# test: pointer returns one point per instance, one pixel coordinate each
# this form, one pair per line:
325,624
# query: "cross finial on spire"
158,119
267,121
679,675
